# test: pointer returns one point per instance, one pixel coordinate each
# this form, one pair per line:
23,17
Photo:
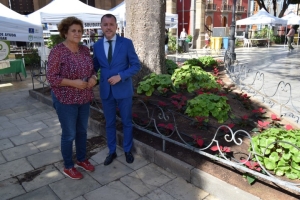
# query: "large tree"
285,5
145,25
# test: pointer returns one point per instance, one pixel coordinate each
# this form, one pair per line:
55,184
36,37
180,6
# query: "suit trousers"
110,106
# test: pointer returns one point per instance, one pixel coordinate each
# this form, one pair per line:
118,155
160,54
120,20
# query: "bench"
38,73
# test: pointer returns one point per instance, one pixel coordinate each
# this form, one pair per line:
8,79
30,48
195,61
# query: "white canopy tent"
16,27
262,18
55,11
171,19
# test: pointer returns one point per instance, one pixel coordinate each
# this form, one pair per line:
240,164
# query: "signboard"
4,49
32,35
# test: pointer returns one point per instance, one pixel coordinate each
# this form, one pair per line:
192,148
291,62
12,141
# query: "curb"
218,188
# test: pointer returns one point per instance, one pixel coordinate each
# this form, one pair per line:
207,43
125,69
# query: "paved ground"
30,140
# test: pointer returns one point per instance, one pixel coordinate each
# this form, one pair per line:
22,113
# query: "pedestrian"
166,42
183,34
115,56
206,40
71,76
290,37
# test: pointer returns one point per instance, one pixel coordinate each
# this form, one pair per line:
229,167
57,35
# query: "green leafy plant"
208,61
265,33
193,62
193,78
275,151
54,40
172,43
189,38
209,104
161,82
171,66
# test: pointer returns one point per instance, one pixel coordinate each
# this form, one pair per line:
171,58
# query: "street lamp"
230,55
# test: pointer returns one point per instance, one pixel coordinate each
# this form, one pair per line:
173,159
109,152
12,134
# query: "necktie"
109,55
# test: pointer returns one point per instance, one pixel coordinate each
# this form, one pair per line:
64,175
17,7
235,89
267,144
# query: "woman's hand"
80,84
92,82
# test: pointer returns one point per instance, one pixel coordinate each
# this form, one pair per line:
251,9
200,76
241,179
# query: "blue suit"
124,62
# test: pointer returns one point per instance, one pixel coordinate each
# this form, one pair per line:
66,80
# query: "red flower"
161,103
288,127
245,117
263,124
260,110
275,118
199,140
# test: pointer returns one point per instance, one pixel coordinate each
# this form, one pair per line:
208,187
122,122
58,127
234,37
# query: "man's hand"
114,79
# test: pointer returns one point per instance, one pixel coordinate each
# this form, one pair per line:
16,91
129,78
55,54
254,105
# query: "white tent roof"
171,19
263,18
292,19
55,11
16,27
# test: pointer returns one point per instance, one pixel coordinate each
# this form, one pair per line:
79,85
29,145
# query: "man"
290,37
115,56
183,34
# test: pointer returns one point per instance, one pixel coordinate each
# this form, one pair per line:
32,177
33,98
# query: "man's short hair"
109,16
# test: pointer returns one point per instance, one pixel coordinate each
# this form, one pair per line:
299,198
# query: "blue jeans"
73,119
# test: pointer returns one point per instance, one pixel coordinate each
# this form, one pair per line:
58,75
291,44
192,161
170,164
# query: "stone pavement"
30,142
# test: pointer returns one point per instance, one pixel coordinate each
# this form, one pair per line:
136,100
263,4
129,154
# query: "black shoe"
110,158
129,157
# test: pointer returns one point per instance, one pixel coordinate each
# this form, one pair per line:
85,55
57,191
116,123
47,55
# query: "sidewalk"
31,163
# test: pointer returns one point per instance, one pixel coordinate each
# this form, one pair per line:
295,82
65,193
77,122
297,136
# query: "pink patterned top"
62,63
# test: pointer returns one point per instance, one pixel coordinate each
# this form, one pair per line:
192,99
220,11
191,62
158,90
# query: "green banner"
4,49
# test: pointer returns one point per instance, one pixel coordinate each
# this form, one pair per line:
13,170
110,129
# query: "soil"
188,128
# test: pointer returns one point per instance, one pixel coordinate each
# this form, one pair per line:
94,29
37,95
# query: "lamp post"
231,53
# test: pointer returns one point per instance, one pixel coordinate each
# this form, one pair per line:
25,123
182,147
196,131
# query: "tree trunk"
145,25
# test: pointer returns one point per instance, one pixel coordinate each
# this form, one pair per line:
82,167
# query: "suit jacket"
124,62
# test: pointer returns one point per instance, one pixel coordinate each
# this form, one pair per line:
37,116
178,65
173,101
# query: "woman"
206,39
71,77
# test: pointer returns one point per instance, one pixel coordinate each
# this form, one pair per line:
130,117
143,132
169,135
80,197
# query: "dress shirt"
106,45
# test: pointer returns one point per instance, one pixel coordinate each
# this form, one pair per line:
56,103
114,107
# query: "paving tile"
106,174
50,131
32,126
37,117
112,191
48,143
23,108
91,134
7,125
52,121
6,112
79,198
19,151
182,190
2,159
45,158
19,121
3,119
14,168
10,188
210,197
26,137
159,194
103,153
69,189
18,115
44,193
5,144
145,179
146,198
47,175
9,132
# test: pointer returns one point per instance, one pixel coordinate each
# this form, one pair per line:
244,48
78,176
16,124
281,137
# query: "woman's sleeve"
53,68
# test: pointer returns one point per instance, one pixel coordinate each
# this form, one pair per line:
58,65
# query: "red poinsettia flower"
288,127
161,103
199,140
275,118
251,165
263,124
245,117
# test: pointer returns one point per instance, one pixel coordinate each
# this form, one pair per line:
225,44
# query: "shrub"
208,61
171,66
54,40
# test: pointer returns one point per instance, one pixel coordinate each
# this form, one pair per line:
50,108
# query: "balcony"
240,9
225,8
210,7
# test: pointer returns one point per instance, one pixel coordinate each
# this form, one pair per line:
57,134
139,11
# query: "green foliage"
172,42
161,82
280,157
171,66
208,61
265,33
54,40
193,62
193,78
31,57
189,38
205,105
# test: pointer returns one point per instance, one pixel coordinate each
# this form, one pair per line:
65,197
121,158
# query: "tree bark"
145,25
